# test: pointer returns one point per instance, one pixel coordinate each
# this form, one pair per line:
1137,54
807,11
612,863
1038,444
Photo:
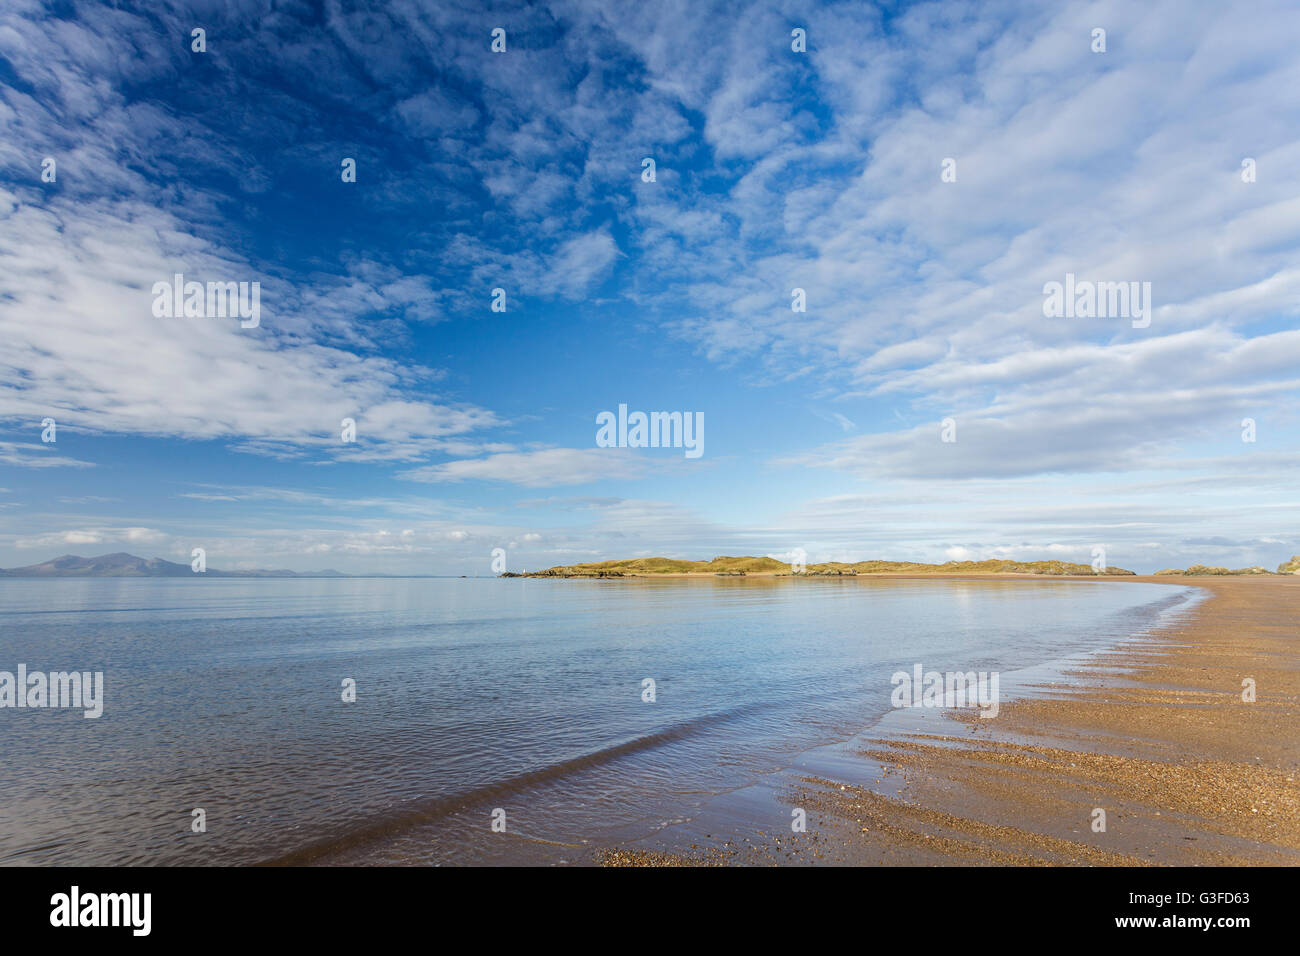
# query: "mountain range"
123,565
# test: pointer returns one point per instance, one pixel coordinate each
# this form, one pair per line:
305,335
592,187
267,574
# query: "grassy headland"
1203,570
672,567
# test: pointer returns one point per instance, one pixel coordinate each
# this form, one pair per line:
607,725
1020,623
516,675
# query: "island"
725,566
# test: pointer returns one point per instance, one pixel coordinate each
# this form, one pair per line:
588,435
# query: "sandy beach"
1154,733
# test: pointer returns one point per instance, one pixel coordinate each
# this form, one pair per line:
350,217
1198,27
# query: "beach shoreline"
1151,740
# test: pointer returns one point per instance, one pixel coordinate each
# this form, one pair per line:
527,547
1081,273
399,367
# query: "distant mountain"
123,565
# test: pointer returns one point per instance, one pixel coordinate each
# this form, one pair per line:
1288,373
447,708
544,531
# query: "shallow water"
471,695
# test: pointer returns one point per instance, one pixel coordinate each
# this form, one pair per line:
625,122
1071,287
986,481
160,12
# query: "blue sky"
775,170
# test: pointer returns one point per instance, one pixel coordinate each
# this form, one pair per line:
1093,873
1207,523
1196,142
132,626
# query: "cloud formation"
775,170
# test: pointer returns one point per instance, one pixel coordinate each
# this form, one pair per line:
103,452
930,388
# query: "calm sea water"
472,695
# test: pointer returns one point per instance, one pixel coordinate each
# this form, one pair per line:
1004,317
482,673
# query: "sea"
425,721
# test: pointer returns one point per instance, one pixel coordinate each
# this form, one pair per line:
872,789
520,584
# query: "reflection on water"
524,694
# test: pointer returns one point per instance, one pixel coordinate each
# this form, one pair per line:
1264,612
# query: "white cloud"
37,455
538,469
90,536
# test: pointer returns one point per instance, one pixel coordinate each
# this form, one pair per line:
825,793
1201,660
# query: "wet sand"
1154,733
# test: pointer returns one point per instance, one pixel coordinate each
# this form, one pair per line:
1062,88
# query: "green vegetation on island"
736,566
1206,570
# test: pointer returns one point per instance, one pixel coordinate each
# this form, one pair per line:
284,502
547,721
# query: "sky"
921,172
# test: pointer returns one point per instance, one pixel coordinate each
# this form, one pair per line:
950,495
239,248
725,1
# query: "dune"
725,565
